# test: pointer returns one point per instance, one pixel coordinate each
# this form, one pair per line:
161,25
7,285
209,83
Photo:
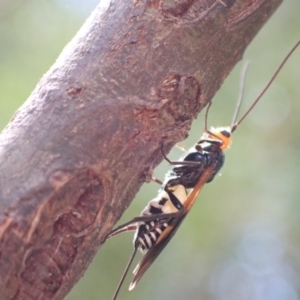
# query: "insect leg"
123,229
125,272
180,162
181,147
147,218
154,179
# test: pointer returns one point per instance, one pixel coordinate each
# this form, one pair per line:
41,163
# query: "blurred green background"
242,239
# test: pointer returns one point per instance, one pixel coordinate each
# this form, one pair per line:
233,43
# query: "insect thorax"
208,156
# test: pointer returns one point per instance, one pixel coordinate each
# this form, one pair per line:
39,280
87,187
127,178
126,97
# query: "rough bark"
75,154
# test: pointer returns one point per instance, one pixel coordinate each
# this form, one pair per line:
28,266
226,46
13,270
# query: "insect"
161,218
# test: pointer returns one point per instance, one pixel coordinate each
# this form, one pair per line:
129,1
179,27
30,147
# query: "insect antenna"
125,272
241,93
236,124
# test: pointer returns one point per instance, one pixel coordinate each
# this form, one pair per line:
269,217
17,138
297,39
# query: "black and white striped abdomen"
148,233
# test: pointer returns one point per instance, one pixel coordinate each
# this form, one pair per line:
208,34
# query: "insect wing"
206,175
153,253
169,232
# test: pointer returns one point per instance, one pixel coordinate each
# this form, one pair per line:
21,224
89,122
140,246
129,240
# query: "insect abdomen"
149,233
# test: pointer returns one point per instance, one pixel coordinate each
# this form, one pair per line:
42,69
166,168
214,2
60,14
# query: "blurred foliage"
242,239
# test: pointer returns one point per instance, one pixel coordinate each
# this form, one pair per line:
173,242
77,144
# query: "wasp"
163,215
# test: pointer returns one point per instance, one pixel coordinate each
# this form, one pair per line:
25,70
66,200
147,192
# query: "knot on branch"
180,93
189,10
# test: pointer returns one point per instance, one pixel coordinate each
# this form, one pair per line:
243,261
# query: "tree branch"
75,154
